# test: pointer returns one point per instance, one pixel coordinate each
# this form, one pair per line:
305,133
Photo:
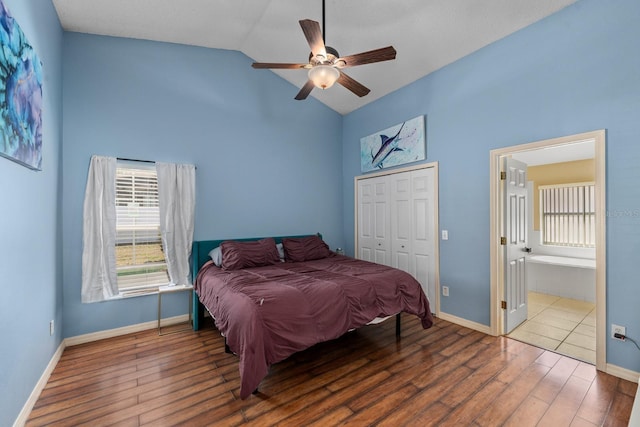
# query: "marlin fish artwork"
387,146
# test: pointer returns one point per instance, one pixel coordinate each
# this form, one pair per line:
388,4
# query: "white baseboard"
466,323
81,339
634,419
42,382
110,333
625,374
633,376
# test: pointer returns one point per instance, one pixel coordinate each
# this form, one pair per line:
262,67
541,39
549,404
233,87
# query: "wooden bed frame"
200,255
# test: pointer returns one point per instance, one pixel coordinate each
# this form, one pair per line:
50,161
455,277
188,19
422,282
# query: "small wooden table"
170,289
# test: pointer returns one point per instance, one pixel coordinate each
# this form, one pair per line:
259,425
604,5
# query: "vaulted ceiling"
427,34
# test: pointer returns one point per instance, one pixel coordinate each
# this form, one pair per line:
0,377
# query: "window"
568,214
140,261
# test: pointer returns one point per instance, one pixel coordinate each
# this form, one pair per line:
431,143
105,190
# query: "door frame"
436,225
496,256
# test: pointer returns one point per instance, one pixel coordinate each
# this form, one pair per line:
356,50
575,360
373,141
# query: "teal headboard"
200,255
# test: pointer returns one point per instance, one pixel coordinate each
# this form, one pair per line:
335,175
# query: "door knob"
526,249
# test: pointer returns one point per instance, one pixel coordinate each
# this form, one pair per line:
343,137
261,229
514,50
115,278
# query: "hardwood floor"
445,376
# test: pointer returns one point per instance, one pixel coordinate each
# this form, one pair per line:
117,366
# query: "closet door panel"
401,228
402,220
373,221
424,274
401,235
423,243
381,221
402,261
366,220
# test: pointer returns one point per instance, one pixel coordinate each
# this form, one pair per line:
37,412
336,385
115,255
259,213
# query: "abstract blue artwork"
20,95
397,145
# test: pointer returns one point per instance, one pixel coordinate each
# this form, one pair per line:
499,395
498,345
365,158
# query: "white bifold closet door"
373,221
396,223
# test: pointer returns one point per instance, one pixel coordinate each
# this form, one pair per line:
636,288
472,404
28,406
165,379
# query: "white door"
412,226
396,223
515,244
401,223
373,224
424,238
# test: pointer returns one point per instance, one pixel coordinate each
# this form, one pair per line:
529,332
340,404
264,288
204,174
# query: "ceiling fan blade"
377,55
353,85
305,91
278,65
312,32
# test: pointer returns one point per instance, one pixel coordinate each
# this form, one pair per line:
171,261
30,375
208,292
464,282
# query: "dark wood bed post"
398,325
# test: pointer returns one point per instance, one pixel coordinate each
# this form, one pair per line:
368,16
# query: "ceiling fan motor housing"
325,67
330,59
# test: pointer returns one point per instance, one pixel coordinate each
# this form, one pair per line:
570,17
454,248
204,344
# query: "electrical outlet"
51,327
445,235
445,291
617,329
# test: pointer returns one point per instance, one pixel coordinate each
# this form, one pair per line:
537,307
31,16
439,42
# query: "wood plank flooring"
445,376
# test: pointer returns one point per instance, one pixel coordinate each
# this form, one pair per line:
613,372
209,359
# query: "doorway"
499,273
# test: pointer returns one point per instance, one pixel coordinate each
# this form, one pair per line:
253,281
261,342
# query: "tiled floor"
563,325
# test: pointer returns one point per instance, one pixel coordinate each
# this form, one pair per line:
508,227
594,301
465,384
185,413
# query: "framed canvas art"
397,145
20,95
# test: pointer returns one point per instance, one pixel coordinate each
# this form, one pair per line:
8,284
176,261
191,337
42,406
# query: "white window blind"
568,214
140,261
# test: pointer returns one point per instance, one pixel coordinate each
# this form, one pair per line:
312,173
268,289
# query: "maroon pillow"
305,248
237,255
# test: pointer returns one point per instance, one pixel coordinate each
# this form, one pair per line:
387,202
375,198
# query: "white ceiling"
579,150
428,34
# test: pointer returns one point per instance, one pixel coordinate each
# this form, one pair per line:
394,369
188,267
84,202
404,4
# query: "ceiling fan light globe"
323,76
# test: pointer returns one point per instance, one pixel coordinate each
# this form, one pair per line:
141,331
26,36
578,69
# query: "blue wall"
267,164
576,71
30,260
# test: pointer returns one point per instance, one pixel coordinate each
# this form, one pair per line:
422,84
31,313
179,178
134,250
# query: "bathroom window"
568,214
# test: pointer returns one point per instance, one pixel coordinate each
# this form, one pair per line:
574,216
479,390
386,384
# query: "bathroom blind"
140,261
568,214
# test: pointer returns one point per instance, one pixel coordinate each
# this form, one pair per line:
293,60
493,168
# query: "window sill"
137,292
152,290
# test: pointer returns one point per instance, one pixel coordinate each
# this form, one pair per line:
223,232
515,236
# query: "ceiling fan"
325,64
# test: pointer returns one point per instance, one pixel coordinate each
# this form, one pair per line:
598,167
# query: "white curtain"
99,279
177,197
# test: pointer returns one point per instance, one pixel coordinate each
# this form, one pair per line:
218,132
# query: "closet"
396,222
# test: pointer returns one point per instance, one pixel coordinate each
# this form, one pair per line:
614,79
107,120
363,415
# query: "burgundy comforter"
268,313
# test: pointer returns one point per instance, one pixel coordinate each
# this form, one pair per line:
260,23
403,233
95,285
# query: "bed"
267,309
